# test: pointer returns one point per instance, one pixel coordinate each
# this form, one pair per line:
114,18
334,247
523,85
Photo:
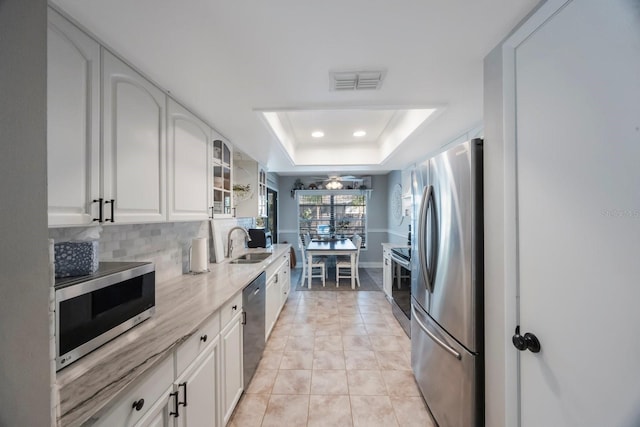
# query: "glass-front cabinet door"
221,186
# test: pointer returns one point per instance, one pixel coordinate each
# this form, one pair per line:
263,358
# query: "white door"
134,144
73,123
197,391
578,186
189,140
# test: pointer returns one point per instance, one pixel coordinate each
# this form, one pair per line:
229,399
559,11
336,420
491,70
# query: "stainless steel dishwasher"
253,303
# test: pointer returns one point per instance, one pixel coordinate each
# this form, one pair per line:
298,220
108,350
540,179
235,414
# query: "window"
328,214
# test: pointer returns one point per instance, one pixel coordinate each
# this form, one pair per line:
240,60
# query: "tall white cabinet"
73,123
134,114
188,154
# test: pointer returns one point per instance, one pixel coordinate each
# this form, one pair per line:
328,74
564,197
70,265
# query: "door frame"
511,272
274,232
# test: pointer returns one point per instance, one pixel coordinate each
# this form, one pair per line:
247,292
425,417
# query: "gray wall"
25,372
397,232
377,221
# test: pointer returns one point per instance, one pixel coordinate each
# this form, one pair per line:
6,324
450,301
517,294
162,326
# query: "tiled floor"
334,359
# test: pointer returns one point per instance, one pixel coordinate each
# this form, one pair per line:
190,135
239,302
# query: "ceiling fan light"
359,133
317,134
334,185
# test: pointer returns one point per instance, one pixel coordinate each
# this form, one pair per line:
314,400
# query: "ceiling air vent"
356,80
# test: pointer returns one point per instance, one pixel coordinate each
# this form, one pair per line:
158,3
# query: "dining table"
332,247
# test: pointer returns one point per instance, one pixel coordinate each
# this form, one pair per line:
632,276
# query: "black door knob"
527,342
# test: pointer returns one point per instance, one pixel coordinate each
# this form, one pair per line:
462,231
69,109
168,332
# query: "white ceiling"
229,61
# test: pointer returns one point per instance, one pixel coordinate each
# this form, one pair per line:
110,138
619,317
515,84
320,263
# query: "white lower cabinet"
197,391
387,272
272,304
137,402
285,284
158,414
277,292
231,366
198,386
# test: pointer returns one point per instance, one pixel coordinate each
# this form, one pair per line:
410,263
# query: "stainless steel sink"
251,258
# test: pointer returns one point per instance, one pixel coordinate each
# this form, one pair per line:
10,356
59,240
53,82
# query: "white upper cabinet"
250,196
134,163
73,123
221,194
189,145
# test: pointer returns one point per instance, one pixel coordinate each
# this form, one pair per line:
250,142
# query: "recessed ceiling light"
317,134
359,133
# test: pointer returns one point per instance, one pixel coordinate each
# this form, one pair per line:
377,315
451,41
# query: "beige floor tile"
329,411
301,343
303,318
280,330
288,318
295,381
328,360
290,411
262,381
404,342
373,318
378,329
276,343
329,382
366,383
297,360
353,329
270,360
360,360
400,383
372,411
368,308
385,343
332,328
412,412
328,342
250,410
350,319
393,360
302,330
325,316
356,342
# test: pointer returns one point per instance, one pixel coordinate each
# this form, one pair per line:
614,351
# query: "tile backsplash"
165,244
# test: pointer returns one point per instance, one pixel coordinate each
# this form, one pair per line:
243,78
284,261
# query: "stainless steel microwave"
92,310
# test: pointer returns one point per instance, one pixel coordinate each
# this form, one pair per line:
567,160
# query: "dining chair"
345,263
318,267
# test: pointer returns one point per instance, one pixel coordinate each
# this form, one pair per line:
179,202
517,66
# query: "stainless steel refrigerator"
447,331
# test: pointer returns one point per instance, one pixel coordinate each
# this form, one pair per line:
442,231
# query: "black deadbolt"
527,342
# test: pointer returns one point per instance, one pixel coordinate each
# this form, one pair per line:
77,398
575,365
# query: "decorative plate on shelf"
396,204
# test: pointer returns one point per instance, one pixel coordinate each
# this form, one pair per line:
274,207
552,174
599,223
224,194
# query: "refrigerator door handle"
432,335
427,197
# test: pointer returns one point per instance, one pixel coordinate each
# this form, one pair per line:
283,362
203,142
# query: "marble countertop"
183,304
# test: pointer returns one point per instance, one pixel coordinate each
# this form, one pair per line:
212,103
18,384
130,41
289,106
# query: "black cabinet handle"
99,202
175,412
184,384
211,209
235,307
203,338
112,202
244,317
138,404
